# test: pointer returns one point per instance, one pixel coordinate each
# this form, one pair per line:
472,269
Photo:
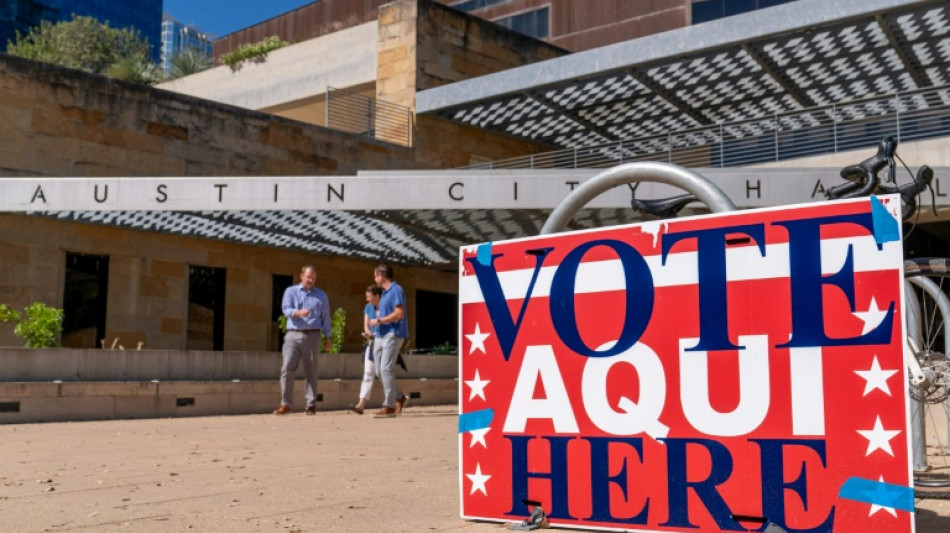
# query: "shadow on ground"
928,520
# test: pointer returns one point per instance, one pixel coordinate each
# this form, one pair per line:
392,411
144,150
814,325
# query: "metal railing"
818,130
362,115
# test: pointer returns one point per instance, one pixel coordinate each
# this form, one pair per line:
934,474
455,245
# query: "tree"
82,43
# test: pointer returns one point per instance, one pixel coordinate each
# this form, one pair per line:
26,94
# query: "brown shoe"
357,410
311,410
401,404
386,412
282,410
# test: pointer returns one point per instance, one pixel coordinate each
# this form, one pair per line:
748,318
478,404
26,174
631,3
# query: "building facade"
214,280
573,25
144,15
21,15
578,25
178,38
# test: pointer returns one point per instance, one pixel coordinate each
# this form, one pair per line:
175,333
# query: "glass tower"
143,15
178,38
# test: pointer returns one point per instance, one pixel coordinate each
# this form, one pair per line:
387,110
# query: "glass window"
474,5
533,23
706,10
737,7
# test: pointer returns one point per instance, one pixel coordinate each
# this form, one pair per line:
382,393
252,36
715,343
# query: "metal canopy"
761,64
412,237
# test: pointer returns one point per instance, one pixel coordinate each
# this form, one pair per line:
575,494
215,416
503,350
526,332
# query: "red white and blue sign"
685,374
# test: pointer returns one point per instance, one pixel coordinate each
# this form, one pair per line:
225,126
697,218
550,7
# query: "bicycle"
863,180
928,337
929,369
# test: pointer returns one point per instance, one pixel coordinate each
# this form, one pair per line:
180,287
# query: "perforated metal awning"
764,63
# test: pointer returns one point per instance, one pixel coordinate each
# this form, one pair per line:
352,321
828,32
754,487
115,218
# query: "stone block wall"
148,281
61,122
423,44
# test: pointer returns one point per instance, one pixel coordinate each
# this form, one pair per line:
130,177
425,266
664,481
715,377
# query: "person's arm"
366,330
287,304
397,312
395,316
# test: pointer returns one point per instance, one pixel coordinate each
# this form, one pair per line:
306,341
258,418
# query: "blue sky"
222,17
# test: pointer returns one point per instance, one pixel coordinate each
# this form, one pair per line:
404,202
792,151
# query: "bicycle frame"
706,191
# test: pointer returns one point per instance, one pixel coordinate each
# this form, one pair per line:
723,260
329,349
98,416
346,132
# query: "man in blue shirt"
307,309
393,322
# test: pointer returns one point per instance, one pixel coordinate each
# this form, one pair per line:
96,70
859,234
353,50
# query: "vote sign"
678,375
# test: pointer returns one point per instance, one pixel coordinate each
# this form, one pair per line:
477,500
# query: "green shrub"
189,62
257,51
446,348
40,325
338,323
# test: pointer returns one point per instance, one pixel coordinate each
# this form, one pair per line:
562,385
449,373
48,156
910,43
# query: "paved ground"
249,473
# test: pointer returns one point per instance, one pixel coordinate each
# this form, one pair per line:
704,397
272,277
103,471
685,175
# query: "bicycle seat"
663,207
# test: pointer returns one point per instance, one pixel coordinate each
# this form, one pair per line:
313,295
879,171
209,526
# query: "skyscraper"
142,15
178,38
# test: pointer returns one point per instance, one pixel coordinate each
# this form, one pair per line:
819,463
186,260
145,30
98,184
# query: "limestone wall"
61,122
29,365
90,400
62,384
424,45
421,45
148,280
342,59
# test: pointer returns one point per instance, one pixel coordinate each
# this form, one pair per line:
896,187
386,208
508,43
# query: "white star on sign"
478,480
872,318
478,437
876,378
478,387
879,438
875,508
477,339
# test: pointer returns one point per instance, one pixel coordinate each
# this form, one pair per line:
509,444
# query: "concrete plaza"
335,471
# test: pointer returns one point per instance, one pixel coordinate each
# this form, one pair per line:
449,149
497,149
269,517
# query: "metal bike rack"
932,290
668,173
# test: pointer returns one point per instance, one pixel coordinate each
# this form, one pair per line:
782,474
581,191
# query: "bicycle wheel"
928,316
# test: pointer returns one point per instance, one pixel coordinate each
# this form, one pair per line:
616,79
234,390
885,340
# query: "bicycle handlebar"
863,179
863,176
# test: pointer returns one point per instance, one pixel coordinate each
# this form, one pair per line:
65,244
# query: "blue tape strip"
475,420
484,254
886,228
878,493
